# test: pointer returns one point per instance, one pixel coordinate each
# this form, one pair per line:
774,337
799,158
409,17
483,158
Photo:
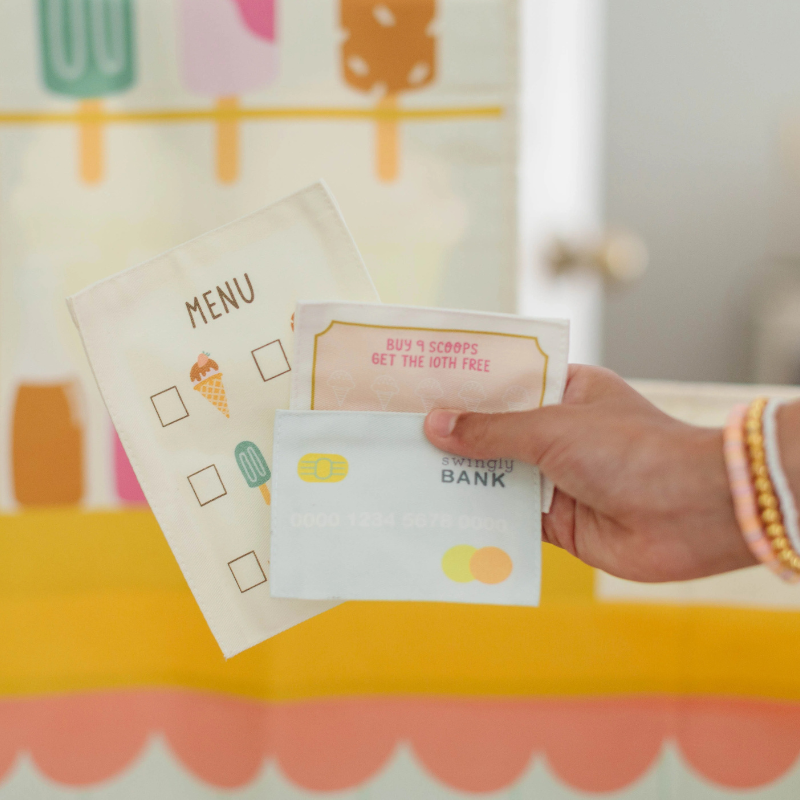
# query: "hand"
638,494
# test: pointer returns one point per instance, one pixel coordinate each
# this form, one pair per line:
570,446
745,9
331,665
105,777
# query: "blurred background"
633,165
702,160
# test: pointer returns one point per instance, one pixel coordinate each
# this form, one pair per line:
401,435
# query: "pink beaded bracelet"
744,497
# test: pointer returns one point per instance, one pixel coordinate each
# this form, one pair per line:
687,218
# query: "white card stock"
365,508
193,353
367,357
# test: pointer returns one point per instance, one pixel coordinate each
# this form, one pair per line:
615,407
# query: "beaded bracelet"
744,497
786,501
766,500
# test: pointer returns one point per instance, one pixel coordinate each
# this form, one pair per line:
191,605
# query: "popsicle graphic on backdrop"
47,431
87,52
253,467
228,47
389,48
128,489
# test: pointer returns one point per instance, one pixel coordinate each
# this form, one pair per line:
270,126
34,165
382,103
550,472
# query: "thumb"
523,435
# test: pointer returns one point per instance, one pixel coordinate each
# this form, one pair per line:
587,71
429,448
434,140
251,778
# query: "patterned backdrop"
128,126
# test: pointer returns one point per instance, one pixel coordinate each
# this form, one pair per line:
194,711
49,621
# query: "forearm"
789,444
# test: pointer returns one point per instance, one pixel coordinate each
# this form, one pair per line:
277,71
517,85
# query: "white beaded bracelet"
778,476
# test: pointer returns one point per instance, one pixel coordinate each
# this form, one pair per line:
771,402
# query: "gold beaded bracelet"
768,506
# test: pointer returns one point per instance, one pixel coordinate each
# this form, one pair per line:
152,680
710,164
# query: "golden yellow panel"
96,601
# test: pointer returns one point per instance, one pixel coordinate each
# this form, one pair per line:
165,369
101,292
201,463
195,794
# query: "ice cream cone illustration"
388,47
429,391
253,467
472,395
207,380
386,388
517,398
341,382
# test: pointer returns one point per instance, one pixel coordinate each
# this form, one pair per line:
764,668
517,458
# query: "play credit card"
365,508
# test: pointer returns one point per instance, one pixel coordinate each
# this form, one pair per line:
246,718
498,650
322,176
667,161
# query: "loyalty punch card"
366,357
192,352
366,508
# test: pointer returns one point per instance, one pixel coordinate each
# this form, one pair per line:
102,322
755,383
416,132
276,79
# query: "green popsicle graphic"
254,467
87,50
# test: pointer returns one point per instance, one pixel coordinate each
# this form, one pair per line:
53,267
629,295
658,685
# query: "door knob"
619,256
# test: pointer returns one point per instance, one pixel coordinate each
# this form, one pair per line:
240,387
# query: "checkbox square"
271,360
247,572
169,406
207,485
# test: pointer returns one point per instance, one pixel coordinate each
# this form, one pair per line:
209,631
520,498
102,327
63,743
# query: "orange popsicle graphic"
389,47
47,445
47,427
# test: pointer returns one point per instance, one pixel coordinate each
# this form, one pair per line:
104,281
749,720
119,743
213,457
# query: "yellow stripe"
216,114
91,601
66,552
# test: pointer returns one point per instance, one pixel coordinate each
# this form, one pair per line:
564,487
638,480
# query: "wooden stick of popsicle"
228,141
387,145
91,142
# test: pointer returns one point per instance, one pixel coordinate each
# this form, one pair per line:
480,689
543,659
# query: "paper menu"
192,352
360,357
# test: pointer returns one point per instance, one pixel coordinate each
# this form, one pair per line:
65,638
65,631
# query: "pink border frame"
478,745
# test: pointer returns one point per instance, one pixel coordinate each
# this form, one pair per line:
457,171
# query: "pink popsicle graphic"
228,47
128,489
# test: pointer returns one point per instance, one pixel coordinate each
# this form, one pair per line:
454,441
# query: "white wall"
560,160
699,95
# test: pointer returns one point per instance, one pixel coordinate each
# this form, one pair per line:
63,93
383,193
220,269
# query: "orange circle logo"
464,563
490,565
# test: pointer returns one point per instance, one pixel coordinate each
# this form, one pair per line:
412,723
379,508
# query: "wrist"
730,550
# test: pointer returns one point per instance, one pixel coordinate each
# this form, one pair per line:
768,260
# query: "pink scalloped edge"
478,745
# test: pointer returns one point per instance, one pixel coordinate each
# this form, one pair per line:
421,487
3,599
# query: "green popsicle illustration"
87,50
254,467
